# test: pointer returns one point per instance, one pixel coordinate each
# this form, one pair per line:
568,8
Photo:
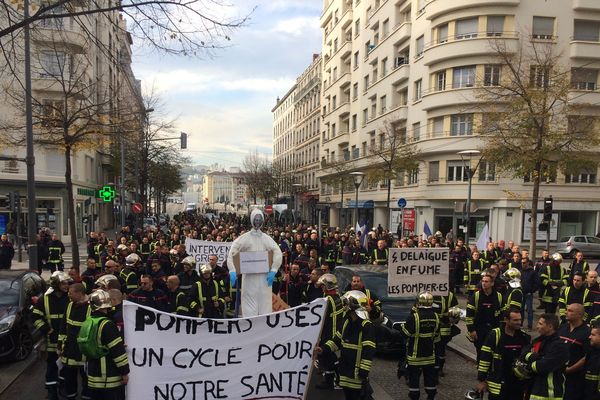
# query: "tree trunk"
71,207
534,207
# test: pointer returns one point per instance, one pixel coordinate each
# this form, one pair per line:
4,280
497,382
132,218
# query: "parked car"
395,311
570,245
19,290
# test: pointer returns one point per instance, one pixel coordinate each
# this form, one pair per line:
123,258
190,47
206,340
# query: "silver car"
570,245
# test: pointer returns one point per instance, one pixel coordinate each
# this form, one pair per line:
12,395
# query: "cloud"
297,26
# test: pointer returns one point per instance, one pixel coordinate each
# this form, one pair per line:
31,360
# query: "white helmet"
104,281
356,301
132,259
425,300
205,269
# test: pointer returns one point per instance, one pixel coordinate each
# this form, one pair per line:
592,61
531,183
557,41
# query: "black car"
395,311
18,292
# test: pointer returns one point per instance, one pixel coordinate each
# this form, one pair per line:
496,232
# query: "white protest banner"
411,271
254,262
182,358
201,249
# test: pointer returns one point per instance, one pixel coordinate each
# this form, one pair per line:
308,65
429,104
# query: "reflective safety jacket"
202,295
513,299
107,372
571,295
422,328
380,257
71,323
472,273
178,302
55,250
443,304
592,375
356,342
145,250
492,365
553,278
47,316
334,317
548,358
131,280
483,310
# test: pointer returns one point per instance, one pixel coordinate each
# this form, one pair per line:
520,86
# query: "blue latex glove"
270,278
232,278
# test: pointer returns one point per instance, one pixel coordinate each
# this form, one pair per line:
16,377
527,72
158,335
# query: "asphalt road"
460,376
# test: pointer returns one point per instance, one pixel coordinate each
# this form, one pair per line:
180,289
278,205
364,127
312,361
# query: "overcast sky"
225,102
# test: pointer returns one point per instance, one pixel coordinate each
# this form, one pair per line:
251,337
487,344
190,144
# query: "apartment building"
74,60
223,187
415,65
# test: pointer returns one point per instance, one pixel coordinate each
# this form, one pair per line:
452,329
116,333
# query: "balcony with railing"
437,8
468,45
58,33
585,49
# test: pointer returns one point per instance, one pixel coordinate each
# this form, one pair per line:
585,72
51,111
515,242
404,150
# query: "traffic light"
12,201
183,140
547,209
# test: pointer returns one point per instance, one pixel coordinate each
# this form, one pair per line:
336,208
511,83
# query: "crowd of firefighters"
152,268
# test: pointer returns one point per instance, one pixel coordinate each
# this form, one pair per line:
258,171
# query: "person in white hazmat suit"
256,289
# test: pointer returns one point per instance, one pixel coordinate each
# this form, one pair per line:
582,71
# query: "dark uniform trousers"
422,329
47,314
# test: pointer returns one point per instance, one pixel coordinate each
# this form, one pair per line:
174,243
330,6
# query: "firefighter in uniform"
356,343
129,273
380,254
513,299
483,310
47,314
575,333
472,273
544,361
56,248
205,296
72,359
145,249
107,375
422,329
374,304
501,347
553,278
177,301
334,318
592,365
577,293
448,312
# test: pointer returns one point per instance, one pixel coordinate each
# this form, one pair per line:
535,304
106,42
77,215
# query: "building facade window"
417,131
457,171
463,77
588,31
461,125
467,28
440,81
418,90
437,128
495,25
487,172
420,46
434,171
584,79
586,176
413,177
354,122
442,33
491,75
543,28
539,76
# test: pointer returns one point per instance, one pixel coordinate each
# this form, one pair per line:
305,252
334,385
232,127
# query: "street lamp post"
358,180
296,187
463,156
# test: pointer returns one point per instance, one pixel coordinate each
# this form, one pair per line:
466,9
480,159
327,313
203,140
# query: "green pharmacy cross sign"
107,194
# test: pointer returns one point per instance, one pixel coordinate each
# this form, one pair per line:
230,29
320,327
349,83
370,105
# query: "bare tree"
337,175
186,27
257,175
71,112
534,124
393,155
